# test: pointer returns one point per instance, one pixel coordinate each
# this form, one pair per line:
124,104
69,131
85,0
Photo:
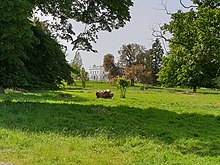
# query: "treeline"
193,60
31,56
136,63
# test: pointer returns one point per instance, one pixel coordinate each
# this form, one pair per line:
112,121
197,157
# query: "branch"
187,7
164,46
159,34
164,4
164,8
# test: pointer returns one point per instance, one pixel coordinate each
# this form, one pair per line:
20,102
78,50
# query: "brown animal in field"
104,94
64,95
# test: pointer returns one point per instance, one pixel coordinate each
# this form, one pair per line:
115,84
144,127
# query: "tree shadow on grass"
40,97
116,122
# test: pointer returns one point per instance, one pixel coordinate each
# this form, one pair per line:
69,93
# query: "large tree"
32,58
138,73
17,35
108,62
76,64
78,71
194,57
156,54
111,67
84,77
131,54
46,61
131,57
77,59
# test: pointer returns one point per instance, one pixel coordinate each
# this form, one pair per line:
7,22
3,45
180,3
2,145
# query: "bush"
122,85
217,82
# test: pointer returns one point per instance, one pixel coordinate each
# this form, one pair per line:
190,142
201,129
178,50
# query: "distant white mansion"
97,73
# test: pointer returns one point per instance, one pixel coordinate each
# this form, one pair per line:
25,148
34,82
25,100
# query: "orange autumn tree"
110,66
138,73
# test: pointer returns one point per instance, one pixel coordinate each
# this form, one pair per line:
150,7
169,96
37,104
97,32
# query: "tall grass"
156,126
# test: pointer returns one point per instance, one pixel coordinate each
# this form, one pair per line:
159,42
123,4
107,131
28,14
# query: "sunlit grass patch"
154,126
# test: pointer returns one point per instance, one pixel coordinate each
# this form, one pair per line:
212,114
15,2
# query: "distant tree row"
136,63
193,60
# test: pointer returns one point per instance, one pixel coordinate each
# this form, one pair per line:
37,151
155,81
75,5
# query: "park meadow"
154,126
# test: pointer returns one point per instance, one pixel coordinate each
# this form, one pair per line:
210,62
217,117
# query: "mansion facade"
97,73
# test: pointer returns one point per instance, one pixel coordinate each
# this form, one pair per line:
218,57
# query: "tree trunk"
194,89
2,90
132,82
154,80
83,84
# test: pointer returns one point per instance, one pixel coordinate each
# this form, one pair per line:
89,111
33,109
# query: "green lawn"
152,127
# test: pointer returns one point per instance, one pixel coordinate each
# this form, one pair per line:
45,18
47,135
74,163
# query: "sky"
145,15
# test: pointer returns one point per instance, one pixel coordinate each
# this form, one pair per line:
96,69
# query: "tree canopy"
47,60
194,57
77,65
156,54
131,54
111,67
95,14
136,60
211,3
15,35
21,41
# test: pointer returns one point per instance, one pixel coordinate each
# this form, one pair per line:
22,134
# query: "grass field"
153,127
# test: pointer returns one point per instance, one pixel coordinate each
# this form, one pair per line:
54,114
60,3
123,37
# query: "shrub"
122,85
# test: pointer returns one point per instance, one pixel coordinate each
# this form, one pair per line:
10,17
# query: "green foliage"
140,64
211,3
156,54
78,72
104,15
77,59
44,65
133,57
76,65
84,77
20,42
217,82
15,36
131,54
193,60
47,61
122,85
